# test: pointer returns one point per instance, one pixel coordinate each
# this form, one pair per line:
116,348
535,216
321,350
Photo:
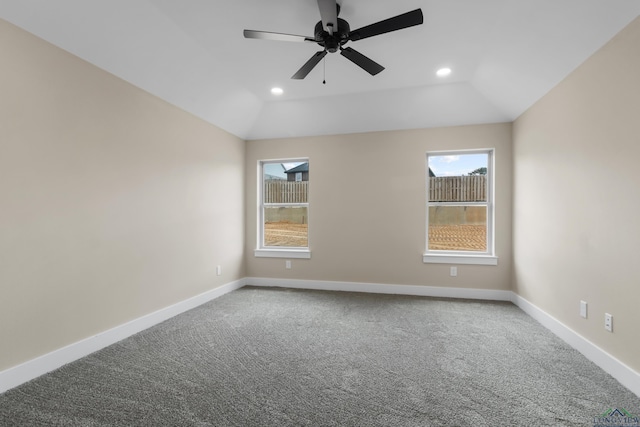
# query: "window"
460,207
283,204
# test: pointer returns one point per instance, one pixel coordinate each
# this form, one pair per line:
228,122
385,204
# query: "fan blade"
310,64
399,22
329,14
362,61
265,35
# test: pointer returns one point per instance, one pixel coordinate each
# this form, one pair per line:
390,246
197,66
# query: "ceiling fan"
332,33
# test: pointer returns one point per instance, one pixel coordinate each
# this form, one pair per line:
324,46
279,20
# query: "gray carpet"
275,357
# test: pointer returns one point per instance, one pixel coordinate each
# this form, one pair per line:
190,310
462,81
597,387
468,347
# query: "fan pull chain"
324,65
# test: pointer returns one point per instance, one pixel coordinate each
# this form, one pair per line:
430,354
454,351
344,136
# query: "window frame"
487,257
263,251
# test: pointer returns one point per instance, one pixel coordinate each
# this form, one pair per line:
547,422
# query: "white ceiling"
505,55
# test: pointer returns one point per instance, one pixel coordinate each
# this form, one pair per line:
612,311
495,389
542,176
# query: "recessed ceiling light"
277,91
443,72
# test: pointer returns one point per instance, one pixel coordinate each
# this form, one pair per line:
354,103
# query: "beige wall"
367,206
577,195
113,204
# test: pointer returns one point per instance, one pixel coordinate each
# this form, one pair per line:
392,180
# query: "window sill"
460,259
283,253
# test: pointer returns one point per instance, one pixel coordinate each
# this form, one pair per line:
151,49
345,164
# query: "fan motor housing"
332,42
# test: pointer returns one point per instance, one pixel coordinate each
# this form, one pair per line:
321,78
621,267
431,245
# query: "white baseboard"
618,370
379,288
32,369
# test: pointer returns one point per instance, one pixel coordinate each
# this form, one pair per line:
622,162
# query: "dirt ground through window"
441,237
458,238
285,234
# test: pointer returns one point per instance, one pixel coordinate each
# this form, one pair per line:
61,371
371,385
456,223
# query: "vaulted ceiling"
504,56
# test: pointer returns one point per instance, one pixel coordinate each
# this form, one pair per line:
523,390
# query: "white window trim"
488,257
261,251
282,253
455,258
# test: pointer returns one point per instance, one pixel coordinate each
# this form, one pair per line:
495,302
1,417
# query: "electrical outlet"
608,322
218,270
453,271
287,264
583,309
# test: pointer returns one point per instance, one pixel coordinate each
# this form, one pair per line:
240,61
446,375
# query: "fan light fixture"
443,72
277,91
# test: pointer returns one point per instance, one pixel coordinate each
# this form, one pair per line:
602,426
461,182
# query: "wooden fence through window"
280,191
470,188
